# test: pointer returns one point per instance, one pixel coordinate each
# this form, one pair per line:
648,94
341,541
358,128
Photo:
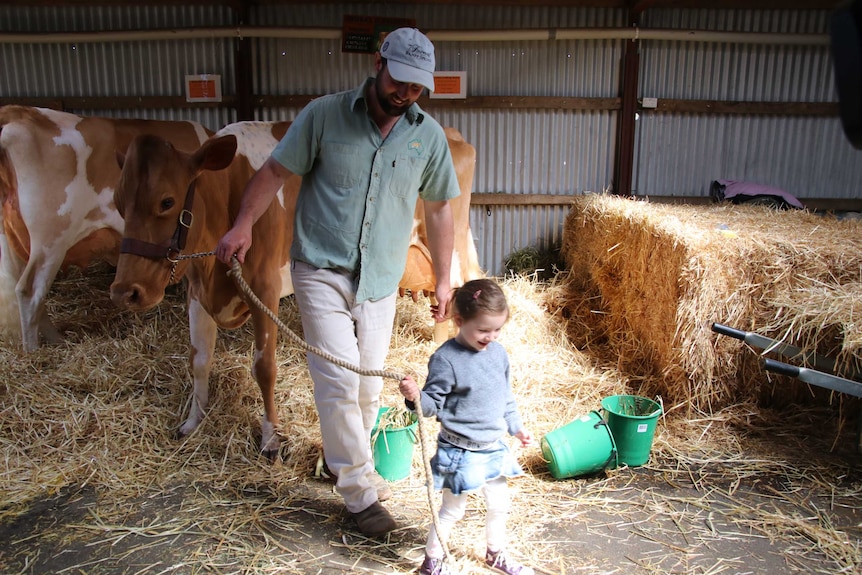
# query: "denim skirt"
461,470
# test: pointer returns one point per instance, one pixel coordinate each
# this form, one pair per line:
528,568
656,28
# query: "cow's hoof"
273,455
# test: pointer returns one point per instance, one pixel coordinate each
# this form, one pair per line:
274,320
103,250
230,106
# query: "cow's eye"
167,204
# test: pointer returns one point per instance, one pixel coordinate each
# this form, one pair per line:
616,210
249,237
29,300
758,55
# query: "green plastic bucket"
632,420
581,447
392,446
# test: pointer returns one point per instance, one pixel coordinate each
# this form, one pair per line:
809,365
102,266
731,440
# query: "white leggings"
452,510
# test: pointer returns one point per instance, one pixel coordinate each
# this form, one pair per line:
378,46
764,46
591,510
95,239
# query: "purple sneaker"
432,566
499,561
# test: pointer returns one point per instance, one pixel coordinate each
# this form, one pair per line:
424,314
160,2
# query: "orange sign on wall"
450,85
203,88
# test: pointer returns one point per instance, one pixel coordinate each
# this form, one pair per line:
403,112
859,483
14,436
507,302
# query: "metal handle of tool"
784,349
814,377
728,331
781,368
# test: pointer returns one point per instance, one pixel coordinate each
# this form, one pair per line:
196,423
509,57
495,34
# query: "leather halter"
172,252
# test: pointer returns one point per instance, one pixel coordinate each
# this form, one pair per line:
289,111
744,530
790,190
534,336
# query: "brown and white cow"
153,197
57,178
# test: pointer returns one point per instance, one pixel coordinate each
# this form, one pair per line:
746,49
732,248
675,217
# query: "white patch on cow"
80,191
110,215
269,441
202,332
256,142
200,131
455,276
258,354
229,312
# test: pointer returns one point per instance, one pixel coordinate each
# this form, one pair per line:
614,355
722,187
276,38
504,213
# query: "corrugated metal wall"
681,154
521,151
98,69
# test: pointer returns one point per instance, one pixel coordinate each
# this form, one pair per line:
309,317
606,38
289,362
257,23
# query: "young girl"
468,389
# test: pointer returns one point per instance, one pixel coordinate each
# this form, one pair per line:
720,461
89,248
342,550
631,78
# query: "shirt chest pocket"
406,175
339,166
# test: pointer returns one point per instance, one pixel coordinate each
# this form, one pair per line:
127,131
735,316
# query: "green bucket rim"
654,414
376,431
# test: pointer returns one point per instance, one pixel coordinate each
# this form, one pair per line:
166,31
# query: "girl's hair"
479,296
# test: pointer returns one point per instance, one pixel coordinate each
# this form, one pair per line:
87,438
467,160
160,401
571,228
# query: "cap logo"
415,51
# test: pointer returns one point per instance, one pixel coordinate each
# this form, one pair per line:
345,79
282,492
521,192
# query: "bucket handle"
411,430
602,421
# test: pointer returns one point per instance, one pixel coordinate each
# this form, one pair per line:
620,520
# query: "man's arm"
441,242
256,198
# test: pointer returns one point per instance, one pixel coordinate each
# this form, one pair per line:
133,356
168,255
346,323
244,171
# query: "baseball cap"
410,57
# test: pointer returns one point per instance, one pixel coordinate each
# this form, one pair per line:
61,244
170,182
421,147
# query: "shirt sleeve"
438,385
440,182
299,147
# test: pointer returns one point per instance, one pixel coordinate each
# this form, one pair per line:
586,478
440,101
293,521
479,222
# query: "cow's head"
155,196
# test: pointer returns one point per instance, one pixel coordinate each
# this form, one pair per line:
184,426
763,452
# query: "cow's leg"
10,271
441,329
264,370
202,330
31,290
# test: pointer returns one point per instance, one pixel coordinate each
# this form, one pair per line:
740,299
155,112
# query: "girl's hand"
409,389
526,438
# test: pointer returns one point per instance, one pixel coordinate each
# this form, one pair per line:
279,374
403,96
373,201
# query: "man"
365,156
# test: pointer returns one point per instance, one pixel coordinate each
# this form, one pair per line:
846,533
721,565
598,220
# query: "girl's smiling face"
478,332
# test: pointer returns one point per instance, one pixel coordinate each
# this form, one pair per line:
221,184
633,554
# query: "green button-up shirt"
356,204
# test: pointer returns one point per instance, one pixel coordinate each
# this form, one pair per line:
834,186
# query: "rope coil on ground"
236,273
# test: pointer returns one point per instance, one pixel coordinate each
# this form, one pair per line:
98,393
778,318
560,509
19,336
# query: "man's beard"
386,104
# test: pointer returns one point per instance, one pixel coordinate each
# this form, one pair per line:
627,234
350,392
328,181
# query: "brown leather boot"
375,520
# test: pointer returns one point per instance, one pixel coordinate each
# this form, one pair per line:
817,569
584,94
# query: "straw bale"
646,281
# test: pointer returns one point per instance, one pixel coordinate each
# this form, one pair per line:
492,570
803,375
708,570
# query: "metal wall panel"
435,17
212,118
538,151
287,66
134,68
681,154
767,21
112,69
42,19
501,230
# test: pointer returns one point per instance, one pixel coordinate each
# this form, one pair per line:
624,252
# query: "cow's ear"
121,158
216,153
